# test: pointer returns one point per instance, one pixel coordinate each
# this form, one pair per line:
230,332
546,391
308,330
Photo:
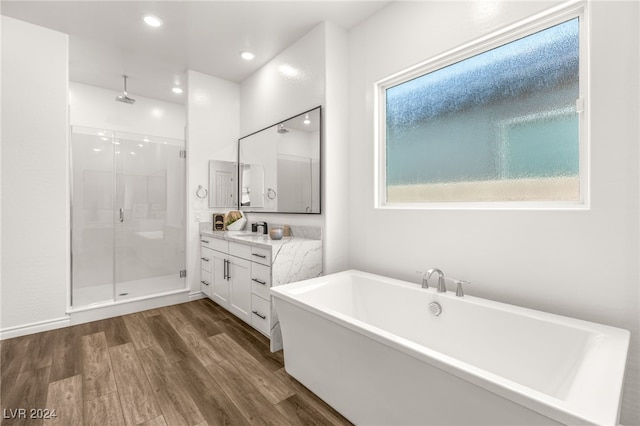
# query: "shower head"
124,97
282,129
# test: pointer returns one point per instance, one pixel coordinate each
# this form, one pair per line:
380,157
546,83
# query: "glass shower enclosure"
127,214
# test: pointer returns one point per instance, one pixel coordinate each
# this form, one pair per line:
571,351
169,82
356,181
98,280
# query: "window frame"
520,29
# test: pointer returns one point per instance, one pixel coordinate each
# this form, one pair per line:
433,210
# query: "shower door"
128,217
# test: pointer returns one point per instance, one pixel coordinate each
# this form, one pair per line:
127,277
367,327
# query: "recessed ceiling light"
247,56
306,120
177,90
152,21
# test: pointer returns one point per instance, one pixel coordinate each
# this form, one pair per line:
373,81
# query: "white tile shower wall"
582,264
213,111
35,259
95,107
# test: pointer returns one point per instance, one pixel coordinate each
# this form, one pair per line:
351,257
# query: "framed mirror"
223,184
279,167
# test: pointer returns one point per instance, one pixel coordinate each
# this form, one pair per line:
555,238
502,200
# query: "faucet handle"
425,282
459,291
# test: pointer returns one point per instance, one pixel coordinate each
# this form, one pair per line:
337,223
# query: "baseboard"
196,295
99,312
35,327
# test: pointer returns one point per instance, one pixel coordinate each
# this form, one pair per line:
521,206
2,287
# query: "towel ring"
201,192
271,194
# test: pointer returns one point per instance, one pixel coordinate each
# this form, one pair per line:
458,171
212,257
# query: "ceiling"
108,38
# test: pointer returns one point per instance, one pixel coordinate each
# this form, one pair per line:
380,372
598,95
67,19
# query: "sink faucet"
264,227
425,280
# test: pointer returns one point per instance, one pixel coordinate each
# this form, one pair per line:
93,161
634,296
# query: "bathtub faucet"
425,280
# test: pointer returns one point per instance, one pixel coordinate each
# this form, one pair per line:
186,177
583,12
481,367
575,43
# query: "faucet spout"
441,288
264,226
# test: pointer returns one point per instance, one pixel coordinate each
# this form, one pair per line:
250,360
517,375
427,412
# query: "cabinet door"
220,290
240,290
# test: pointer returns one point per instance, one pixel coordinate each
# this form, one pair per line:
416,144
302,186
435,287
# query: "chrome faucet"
441,285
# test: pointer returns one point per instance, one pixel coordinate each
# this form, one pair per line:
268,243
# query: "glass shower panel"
149,206
92,216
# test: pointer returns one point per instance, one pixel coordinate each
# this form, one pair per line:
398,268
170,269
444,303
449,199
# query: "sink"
250,236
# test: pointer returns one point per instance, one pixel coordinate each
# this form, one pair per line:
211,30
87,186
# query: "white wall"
336,154
581,264
92,106
213,111
270,95
35,167
273,94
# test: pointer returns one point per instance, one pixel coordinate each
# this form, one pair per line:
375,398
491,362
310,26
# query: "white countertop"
253,238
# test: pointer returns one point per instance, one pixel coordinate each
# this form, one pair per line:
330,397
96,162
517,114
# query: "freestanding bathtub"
370,347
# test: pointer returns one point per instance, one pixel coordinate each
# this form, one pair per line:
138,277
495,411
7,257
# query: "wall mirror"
223,184
279,167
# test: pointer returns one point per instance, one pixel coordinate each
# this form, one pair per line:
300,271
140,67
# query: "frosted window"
498,126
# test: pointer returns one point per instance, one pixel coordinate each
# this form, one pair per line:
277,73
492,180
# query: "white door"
225,188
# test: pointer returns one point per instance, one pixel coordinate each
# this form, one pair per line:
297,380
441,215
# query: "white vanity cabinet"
239,272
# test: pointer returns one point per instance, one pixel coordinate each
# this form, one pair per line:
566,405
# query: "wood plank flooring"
188,364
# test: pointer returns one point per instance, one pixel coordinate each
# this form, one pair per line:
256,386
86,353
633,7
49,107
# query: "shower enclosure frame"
117,180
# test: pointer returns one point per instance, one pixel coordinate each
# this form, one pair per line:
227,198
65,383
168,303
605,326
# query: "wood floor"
188,364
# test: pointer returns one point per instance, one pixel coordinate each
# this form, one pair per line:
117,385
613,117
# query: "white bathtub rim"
567,411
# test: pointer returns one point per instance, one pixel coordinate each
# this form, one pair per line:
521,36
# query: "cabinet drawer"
206,258
205,241
205,282
261,255
240,250
260,314
220,245
260,280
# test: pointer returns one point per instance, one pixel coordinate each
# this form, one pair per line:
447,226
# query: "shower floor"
85,296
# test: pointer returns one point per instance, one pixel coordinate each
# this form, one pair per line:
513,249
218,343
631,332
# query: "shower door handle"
121,214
